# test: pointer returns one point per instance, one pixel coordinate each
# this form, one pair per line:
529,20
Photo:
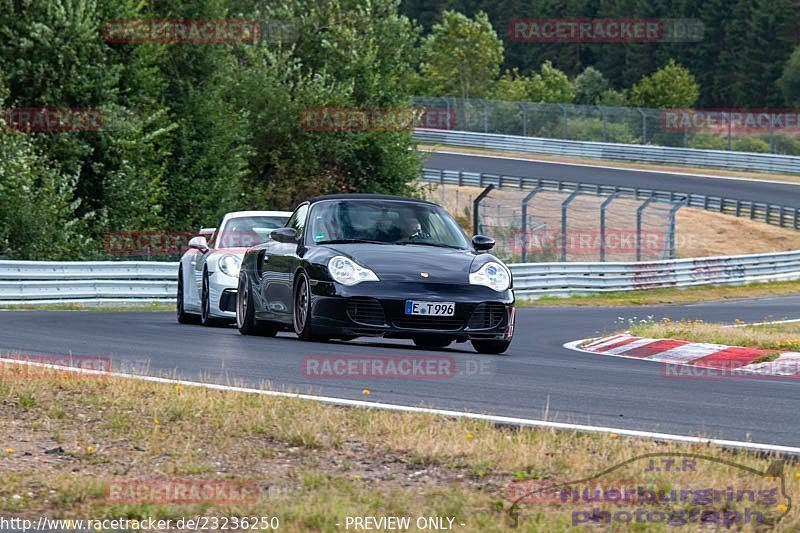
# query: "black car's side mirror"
482,243
284,235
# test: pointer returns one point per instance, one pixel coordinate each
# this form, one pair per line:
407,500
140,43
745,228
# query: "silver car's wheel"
242,295
205,306
183,316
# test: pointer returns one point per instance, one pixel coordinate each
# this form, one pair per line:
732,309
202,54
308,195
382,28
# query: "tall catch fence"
760,131
546,225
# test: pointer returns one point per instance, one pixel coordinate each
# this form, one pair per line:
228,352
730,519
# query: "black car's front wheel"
301,312
245,311
491,347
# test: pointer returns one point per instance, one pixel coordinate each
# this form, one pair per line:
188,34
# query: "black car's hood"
394,262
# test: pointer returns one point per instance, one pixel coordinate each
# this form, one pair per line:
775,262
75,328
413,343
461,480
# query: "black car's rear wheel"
490,347
183,316
205,306
301,312
245,312
432,342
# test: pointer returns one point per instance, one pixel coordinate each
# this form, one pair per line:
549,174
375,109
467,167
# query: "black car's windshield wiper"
425,243
348,241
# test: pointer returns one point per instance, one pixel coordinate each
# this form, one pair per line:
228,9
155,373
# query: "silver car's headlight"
348,272
492,275
229,264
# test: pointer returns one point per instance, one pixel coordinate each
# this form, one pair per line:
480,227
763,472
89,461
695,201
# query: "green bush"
708,141
750,144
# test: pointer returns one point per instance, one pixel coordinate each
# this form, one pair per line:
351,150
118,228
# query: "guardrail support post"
564,207
639,211
603,206
476,204
525,203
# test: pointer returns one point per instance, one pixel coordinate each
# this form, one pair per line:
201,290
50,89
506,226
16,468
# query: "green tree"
352,55
673,86
462,56
789,82
551,85
590,86
38,217
53,54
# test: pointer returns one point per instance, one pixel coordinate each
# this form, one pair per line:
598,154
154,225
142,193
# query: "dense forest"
742,53
191,130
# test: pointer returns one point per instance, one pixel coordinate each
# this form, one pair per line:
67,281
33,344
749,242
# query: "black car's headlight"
348,272
492,275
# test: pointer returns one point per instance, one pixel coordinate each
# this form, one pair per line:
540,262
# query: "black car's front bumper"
378,309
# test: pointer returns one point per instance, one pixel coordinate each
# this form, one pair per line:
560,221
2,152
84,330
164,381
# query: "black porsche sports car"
370,265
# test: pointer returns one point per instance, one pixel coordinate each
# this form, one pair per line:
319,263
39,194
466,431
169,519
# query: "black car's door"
280,264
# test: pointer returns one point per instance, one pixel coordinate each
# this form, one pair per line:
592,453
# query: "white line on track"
344,402
624,169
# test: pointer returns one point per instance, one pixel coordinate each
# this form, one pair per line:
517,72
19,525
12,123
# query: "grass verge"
69,440
671,296
781,337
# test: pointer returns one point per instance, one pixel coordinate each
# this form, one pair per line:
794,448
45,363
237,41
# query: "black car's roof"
366,197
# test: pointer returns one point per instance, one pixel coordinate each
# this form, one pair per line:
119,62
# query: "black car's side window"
298,219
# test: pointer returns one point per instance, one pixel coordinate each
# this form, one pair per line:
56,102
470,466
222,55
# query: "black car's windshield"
246,231
383,222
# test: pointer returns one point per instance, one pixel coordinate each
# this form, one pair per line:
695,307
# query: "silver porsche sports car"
209,271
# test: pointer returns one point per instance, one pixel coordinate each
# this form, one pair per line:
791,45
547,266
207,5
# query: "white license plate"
414,307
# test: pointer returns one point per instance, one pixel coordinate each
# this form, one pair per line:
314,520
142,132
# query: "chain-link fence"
760,131
551,226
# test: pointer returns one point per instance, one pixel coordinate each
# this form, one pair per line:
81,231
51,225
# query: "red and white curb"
716,357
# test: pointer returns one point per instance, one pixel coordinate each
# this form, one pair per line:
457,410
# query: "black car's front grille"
487,316
436,323
367,311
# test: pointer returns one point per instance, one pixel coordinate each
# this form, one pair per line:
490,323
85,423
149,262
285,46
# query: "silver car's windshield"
383,222
247,231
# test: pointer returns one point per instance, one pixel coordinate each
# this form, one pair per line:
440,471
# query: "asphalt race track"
538,379
756,191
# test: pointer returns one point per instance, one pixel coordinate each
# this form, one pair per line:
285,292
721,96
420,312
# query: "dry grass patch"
67,437
782,337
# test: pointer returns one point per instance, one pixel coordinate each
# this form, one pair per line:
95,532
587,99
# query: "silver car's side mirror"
199,243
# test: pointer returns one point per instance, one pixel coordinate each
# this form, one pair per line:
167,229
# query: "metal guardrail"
776,215
718,159
87,282
567,279
29,282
